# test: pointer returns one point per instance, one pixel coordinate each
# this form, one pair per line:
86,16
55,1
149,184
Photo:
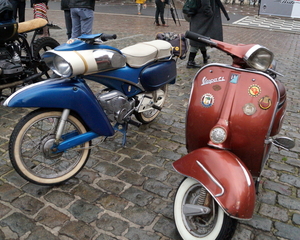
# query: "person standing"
82,14
207,21
18,9
40,8
160,11
68,20
140,4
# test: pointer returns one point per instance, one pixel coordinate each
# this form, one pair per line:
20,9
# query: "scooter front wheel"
191,197
31,142
159,96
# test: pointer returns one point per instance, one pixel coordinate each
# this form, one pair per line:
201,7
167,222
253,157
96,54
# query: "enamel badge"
207,100
265,102
254,90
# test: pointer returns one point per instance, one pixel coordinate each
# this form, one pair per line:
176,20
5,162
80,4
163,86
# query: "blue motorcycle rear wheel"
32,140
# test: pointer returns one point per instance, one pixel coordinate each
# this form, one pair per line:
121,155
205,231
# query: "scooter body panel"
224,176
64,93
242,102
132,81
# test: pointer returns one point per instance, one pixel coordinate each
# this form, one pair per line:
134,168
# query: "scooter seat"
142,53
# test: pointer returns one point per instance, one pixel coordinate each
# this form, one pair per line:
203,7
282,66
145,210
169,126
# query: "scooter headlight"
58,64
259,57
218,135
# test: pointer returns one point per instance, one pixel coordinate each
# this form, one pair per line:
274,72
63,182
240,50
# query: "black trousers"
19,9
160,10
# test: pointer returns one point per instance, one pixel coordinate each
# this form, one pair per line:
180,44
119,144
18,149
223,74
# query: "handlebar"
200,38
105,37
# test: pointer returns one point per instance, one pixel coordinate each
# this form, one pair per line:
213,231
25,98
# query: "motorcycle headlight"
218,135
57,64
259,58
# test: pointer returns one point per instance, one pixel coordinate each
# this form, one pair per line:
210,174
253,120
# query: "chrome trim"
248,178
213,179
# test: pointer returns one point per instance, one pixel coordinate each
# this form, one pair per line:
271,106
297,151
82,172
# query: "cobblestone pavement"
127,193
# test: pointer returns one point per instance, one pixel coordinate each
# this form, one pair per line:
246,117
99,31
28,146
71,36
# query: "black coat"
207,22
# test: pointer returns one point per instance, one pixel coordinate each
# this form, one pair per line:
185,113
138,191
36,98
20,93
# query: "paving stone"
113,203
4,210
70,229
296,218
267,197
59,198
155,173
112,224
139,215
287,231
8,193
131,164
18,223
105,237
167,227
84,211
111,185
161,206
86,192
278,187
137,196
132,178
274,212
157,187
36,190
290,179
259,222
108,169
28,205
139,234
87,175
51,218
41,233
288,202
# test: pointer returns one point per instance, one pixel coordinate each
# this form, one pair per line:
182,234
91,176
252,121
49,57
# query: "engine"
10,65
116,105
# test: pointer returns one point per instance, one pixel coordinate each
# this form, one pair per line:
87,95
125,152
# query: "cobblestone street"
127,193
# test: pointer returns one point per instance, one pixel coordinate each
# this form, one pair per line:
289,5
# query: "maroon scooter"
234,113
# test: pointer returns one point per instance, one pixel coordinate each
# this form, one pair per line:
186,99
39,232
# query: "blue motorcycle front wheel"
31,142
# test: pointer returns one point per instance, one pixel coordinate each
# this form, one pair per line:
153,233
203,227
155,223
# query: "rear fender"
224,176
64,93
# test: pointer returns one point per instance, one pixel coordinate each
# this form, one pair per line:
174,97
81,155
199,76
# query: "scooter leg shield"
224,176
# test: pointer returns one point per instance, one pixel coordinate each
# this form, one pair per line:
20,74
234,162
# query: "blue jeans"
82,21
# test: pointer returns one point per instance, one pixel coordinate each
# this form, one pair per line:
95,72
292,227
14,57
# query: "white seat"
142,53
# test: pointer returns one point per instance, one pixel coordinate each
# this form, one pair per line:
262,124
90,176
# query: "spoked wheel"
31,142
212,224
159,97
40,46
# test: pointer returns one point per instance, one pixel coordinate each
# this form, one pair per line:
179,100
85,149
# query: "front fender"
64,93
225,176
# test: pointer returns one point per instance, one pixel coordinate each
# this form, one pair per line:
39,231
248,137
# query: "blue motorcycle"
52,143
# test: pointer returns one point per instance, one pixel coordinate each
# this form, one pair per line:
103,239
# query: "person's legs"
87,19
68,22
76,24
204,54
191,61
139,6
21,11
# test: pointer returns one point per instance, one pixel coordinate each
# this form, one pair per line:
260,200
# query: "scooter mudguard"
64,93
224,176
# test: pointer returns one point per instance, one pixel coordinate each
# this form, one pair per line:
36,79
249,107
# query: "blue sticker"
234,78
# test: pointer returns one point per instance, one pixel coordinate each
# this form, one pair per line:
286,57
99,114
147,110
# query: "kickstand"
123,129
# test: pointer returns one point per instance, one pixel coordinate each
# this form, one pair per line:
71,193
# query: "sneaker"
192,64
165,25
157,24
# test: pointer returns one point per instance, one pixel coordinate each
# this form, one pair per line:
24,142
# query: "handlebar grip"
199,38
105,37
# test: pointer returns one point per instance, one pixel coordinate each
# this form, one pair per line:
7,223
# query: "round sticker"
265,102
254,90
207,100
249,109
